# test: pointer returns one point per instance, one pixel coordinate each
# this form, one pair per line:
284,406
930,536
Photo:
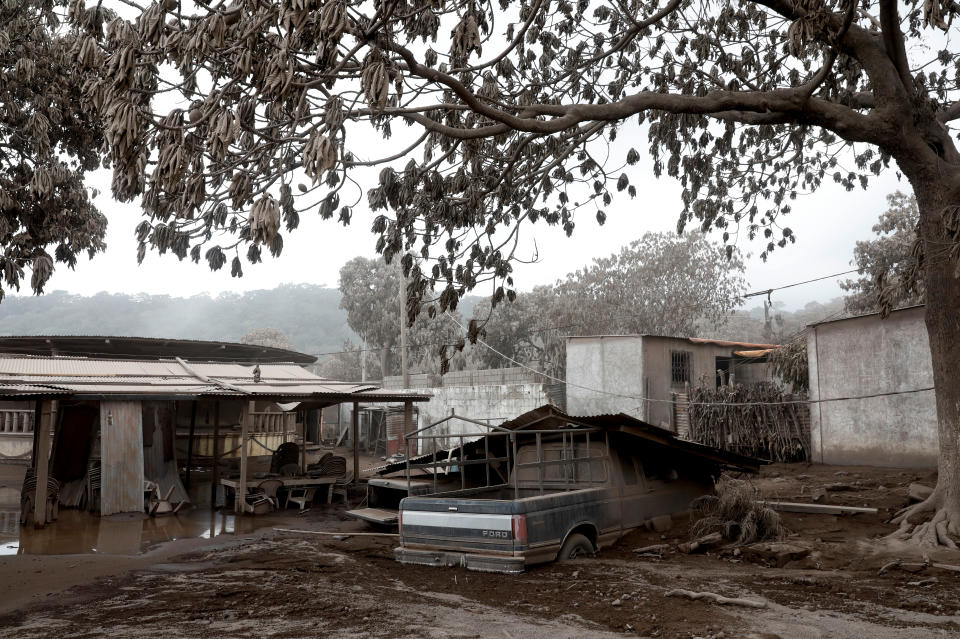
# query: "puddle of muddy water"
79,532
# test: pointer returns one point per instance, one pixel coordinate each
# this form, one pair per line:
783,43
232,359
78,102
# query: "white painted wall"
611,364
868,356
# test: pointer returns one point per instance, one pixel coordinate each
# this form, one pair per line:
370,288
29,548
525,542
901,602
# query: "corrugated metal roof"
25,389
98,377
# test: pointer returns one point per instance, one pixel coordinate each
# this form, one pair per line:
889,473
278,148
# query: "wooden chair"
302,496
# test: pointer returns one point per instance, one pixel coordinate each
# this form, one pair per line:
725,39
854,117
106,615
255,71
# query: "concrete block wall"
488,377
869,356
492,404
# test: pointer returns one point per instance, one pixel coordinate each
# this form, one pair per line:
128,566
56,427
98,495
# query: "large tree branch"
894,43
794,101
949,113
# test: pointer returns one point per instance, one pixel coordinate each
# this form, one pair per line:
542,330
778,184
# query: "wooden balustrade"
16,421
269,422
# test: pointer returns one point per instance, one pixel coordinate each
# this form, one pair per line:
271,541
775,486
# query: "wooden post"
303,447
356,442
193,425
246,416
41,458
215,483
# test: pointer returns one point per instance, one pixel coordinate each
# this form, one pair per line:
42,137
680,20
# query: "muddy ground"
274,584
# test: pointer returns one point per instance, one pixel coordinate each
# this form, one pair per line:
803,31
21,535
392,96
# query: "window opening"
681,367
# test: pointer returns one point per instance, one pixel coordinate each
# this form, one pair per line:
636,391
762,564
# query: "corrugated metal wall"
121,451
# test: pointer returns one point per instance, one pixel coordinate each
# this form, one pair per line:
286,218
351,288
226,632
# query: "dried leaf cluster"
47,144
516,111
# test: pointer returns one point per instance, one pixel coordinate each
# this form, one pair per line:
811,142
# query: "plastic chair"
340,487
302,496
269,487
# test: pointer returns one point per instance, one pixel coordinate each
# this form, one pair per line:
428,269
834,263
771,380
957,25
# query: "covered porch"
108,430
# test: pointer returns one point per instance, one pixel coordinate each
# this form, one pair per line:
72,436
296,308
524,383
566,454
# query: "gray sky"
827,225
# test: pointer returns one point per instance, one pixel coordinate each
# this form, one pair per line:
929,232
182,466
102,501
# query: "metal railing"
577,446
14,421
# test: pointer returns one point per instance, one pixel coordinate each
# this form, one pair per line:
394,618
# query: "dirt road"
272,584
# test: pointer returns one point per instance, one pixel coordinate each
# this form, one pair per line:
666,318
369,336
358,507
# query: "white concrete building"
871,386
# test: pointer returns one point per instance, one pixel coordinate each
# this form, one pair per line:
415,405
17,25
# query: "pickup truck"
560,500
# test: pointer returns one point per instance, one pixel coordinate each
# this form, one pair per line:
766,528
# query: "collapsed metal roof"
95,378
549,417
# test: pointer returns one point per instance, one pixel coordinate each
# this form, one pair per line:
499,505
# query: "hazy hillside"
308,314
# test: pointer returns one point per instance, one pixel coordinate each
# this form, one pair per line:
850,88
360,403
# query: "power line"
816,279
670,401
552,328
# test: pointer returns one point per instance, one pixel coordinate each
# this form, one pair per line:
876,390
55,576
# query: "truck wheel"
575,546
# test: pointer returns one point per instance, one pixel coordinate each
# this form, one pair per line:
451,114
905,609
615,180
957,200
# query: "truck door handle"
453,508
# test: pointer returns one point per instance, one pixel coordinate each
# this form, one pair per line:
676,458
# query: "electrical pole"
363,362
404,371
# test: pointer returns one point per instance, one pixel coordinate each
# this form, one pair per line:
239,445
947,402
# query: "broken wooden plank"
381,516
715,598
336,534
817,509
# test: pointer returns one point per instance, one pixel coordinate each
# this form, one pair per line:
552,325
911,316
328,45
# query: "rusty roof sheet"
755,353
726,342
101,377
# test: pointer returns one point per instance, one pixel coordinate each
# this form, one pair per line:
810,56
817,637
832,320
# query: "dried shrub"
735,513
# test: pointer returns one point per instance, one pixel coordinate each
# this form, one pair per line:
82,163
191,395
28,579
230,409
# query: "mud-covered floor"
271,584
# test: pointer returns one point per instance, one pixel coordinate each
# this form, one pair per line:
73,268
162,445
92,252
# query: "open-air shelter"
120,410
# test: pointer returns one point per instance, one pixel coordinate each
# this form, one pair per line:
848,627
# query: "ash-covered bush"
735,513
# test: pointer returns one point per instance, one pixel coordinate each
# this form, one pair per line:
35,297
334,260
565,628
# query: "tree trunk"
384,362
943,331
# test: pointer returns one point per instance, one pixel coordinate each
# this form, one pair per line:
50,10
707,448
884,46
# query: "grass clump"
734,513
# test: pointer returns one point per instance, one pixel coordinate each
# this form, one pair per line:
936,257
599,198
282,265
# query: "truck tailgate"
462,531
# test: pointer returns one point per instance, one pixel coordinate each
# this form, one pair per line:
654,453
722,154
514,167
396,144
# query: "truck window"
627,469
658,469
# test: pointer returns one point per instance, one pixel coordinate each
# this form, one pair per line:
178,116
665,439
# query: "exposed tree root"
917,527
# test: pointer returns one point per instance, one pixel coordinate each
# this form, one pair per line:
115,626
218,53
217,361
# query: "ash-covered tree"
514,108
346,365
47,144
268,336
370,293
887,264
661,284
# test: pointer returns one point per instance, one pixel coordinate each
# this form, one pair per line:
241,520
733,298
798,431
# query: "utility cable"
670,401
